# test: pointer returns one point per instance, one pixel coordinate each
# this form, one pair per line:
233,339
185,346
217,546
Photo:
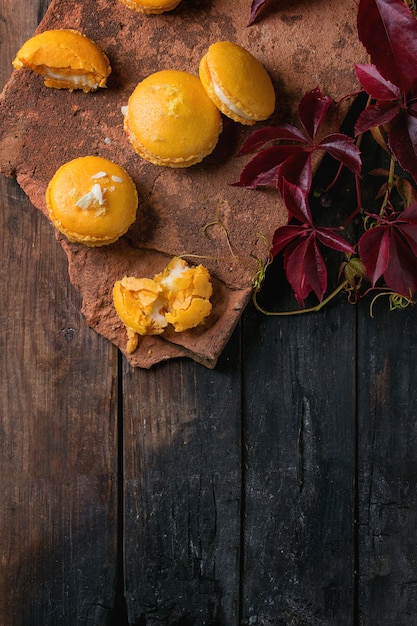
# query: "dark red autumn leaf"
304,264
264,168
401,272
330,238
408,218
296,170
387,96
292,161
343,149
312,110
389,251
402,139
375,84
255,8
296,202
375,115
305,269
388,30
374,252
262,136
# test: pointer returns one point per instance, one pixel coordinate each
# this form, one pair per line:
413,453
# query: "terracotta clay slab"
194,211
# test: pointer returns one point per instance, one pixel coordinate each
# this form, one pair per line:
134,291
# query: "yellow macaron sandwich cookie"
151,6
170,120
237,83
66,59
92,201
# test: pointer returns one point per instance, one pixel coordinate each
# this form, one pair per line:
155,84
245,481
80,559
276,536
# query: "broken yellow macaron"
92,201
237,83
170,120
151,6
187,291
66,58
179,295
139,303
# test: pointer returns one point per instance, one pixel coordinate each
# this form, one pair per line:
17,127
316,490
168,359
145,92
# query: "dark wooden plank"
299,436
58,444
182,492
58,419
387,401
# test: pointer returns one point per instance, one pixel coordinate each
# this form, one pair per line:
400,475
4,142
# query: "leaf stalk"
313,309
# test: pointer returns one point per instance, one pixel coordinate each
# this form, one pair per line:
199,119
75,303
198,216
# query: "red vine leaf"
264,168
388,30
402,139
305,269
255,8
283,132
389,251
296,201
376,115
312,110
292,161
304,263
375,84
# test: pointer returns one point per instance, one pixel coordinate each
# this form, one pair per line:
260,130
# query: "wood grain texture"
299,433
183,492
59,404
387,402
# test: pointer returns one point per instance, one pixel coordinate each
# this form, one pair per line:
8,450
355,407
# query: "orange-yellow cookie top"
170,118
151,6
92,200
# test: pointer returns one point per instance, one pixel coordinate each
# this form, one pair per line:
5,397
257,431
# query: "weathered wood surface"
278,489
58,436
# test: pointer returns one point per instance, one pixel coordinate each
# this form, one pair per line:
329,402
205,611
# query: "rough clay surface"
302,44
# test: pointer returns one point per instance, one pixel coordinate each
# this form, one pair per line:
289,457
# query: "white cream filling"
156,314
177,271
230,105
79,80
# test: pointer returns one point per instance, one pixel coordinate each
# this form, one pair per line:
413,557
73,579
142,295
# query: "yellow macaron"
139,303
151,6
171,121
66,59
91,200
237,83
